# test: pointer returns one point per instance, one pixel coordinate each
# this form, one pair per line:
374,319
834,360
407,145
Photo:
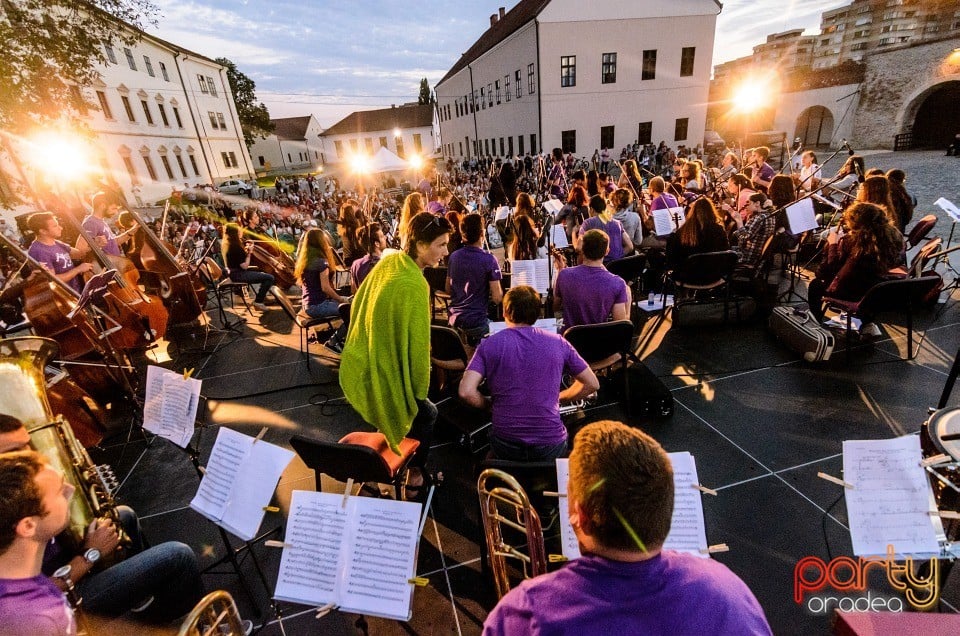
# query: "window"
213,119
163,115
483,99
111,55
383,142
163,71
533,142
501,147
211,86
531,85
221,121
176,115
859,46
203,84
193,164
649,71
183,168
338,145
520,144
608,69
680,129
130,61
104,105
568,70
496,86
516,76
490,95
166,166
150,169
289,158
400,147
127,107
368,142
261,161
568,140
128,164
149,66
353,145
417,143
687,56
486,147
606,136
509,146
506,87
645,132
146,111
233,159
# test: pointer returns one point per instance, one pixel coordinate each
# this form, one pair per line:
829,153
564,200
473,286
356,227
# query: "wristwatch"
91,556
63,573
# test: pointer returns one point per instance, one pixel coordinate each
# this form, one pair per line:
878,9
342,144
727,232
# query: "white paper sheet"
553,206
558,237
890,498
568,539
534,273
239,481
667,220
170,405
548,324
949,207
502,213
801,217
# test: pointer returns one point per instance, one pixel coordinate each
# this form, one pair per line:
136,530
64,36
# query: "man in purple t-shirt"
763,172
105,208
523,367
36,509
620,501
588,293
473,280
56,255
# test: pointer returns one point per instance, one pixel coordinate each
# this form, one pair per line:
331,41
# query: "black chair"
437,279
301,320
361,456
709,271
603,346
920,260
448,356
900,295
920,230
631,270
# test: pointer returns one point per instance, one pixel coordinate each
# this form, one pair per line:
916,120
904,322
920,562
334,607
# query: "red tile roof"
365,121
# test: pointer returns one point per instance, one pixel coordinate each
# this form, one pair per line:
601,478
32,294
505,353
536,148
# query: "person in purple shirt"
473,280
372,239
312,270
523,367
105,208
763,172
600,219
35,509
54,254
620,501
588,293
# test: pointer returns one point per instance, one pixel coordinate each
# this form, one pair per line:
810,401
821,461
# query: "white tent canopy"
386,161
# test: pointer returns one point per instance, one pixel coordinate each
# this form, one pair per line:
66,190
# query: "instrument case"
800,332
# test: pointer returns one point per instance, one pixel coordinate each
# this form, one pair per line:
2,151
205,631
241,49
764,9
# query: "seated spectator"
588,293
523,367
620,499
473,280
701,232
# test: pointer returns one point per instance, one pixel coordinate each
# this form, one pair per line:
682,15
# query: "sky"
332,58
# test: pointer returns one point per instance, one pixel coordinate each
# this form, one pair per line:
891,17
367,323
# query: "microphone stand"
793,153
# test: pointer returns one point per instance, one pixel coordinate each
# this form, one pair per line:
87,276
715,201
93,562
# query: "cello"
267,254
183,294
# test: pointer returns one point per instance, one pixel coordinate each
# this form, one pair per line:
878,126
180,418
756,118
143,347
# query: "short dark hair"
38,221
102,200
594,244
425,227
521,305
623,480
368,236
557,153
763,151
9,423
471,227
578,175
597,203
19,492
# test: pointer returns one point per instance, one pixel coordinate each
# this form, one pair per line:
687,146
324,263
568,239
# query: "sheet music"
534,273
558,237
380,557
801,217
688,532
239,481
889,502
547,324
170,405
315,530
667,220
948,206
687,528
553,206
502,213
568,539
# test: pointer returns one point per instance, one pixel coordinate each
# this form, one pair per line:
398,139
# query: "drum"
943,433
940,435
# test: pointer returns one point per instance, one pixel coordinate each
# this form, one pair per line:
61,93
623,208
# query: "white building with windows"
404,130
549,74
296,143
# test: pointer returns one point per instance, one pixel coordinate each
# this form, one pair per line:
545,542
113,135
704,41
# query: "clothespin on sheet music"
187,373
347,492
419,581
273,543
263,431
835,480
557,558
935,460
552,493
944,514
704,489
326,609
271,509
718,547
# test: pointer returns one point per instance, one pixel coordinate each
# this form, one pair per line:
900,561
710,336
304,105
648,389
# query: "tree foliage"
254,117
51,46
426,95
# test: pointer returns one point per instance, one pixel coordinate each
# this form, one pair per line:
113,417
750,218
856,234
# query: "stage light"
59,156
749,96
416,162
359,164
396,132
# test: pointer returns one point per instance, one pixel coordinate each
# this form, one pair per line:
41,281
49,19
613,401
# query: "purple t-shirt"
523,367
361,267
57,258
98,227
312,290
671,593
471,270
589,294
613,230
664,201
34,606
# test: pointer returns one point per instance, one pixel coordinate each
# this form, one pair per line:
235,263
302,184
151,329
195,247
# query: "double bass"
183,293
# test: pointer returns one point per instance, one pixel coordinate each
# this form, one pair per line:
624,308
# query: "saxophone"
23,395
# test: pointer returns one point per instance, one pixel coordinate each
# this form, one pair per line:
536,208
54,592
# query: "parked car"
234,186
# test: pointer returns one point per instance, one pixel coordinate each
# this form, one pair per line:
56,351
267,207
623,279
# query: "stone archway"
815,126
936,116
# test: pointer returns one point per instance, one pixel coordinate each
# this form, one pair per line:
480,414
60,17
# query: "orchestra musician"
236,256
810,173
588,293
557,177
601,218
473,281
104,209
763,172
54,254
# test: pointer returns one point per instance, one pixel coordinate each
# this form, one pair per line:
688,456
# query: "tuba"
23,395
